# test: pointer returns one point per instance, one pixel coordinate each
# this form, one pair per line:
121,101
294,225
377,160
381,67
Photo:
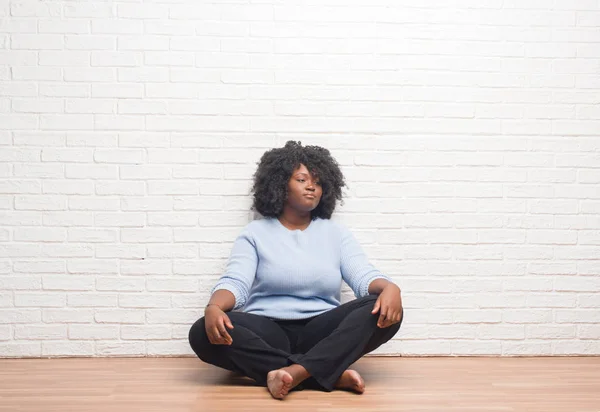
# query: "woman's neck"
294,220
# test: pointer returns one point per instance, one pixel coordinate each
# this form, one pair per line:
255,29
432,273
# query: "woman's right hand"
215,321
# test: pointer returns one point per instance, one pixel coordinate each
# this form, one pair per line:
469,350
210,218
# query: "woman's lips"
310,196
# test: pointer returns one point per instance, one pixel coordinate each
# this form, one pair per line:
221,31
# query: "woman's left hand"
389,306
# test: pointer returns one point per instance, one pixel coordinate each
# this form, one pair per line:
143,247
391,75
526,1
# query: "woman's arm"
388,304
222,298
377,286
239,274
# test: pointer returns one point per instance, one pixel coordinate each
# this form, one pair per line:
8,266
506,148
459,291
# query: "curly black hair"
275,169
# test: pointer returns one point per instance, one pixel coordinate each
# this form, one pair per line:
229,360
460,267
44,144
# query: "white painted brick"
117,90
5,333
129,219
118,155
68,282
67,122
146,42
576,316
20,250
92,266
89,106
147,203
575,347
18,122
169,59
171,347
143,139
34,73
133,332
89,10
68,315
102,203
67,348
118,122
18,89
507,332
64,58
64,90
116,26
40,266
40,235
527,348
147,235
178,28
145,172
92,300
588,332
67,219
40,332
119,188
37,42
172,156
92,235
39,138
182,331
172,316
115,59
14,316
38,202
20,349
40,300
120,316
67,187
120,284
132,106
147,267
67,250
545,331
120,251
113,348
145,300
64,26
19,186
32,170
21,282
93,332
171,285
93,42
171,187
91,171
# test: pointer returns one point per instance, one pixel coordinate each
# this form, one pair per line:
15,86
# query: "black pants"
325,344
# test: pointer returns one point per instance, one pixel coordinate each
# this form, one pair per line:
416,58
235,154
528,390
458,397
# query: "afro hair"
275,169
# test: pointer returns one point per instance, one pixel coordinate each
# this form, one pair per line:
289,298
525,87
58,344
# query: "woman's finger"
377,305
222,331
382,318
217,336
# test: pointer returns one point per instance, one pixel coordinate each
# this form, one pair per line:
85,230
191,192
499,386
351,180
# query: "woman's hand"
389,306
215,321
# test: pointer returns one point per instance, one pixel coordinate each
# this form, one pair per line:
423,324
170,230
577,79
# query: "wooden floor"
563,384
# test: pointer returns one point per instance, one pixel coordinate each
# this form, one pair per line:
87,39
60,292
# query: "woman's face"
304,190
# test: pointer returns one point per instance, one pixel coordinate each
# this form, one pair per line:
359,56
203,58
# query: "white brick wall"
469,132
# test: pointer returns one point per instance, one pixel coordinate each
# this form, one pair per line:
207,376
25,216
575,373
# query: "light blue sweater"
295,274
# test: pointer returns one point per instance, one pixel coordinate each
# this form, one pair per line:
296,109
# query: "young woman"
283,280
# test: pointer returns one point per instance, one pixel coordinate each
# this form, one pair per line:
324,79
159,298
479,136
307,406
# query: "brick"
94,300
78,315
93,332
68,348
120,316
40,332
93,266
68,282
132,332
120,284
40,300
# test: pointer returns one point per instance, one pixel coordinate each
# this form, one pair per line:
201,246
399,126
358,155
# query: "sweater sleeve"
241,269
356,270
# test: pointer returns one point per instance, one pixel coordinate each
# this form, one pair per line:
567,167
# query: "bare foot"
351,380
279,383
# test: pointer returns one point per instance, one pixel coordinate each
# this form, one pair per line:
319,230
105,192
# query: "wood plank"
392,384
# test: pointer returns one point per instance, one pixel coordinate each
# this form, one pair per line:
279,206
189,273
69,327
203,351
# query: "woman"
284,277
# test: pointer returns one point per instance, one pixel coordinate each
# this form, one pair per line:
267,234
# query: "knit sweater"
295,274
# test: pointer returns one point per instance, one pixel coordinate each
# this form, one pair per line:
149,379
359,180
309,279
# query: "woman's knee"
198,338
